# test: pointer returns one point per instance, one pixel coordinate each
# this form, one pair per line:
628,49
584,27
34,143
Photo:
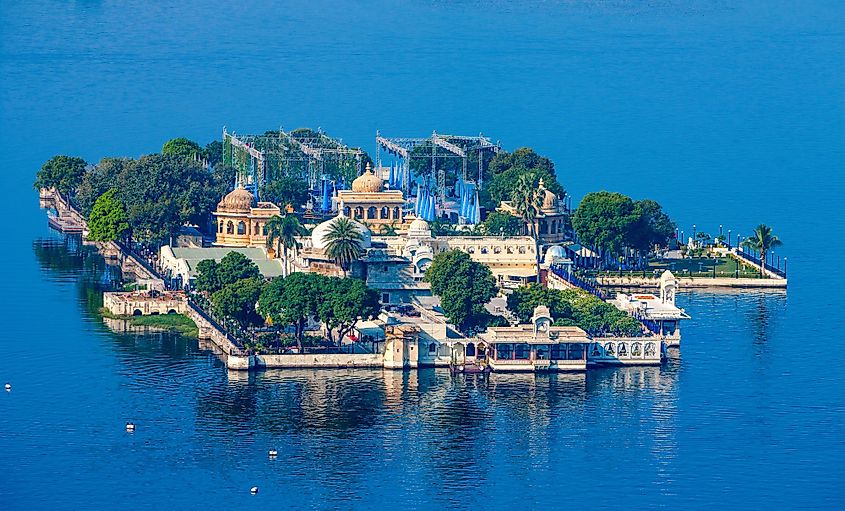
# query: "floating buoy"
8,387
273,453
253,490
130,426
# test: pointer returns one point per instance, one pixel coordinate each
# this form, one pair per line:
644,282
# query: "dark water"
727,114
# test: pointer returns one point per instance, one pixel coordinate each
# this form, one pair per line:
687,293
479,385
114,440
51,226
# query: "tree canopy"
108,220
464,287
238,299
181,147
609,221
344,242
286,190
212,276
506,169
572,307
337,302
500,223
64,173
160,192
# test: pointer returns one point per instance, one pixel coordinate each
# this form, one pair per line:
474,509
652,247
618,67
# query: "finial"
542,185
368,169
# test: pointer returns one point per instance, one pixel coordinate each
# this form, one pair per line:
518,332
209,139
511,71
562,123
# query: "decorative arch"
371,212
396,214
385,213
241,228
230,227
470,350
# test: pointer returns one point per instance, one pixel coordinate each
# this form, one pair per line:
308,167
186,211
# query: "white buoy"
130,426
8,387
253,490
273,453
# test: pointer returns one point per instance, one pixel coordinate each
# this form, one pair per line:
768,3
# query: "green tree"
103,177
344,242
206,277
293,300
504,172
64,173
108,220
181,147
603,221
238,300
500,223
286,190
525,299
212,276
213,152
527,200
343,302
283,231
762,240
464,287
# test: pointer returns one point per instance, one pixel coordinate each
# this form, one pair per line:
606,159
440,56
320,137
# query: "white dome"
419,229
319,233
555,252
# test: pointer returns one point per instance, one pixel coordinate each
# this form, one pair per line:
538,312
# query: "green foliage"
212,276
181,147
506,169
499,223
336,302
108,220
213,153
238,299
603,220
609,221
160,193
464,287
286,190
343,302
762,240
64,173
344,242
524,299
573,308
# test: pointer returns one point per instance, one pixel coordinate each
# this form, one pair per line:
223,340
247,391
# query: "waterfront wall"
631,281
320,361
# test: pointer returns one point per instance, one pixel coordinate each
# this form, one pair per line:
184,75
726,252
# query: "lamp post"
784,266
694,243
729,238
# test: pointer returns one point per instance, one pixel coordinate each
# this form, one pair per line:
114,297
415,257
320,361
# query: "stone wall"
319,361
692,282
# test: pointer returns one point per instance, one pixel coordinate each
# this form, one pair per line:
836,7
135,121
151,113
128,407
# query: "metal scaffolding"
454,146
309,155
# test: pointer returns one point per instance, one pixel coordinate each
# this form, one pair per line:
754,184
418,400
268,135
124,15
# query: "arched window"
371,212
432,348
264,229
385,213
396,213
483,250
470,350
241,228
230,228
623,349
347,211
220,226
255,229
359,212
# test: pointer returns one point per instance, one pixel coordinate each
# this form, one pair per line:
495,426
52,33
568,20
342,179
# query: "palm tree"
762,240
344,242
527,200
283,232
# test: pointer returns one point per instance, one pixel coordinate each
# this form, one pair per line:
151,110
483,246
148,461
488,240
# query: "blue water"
726,114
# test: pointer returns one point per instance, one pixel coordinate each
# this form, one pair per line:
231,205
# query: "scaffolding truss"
453,146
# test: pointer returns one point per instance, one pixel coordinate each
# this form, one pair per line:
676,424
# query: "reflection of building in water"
659,315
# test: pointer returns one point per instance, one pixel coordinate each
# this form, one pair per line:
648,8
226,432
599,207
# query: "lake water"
726,114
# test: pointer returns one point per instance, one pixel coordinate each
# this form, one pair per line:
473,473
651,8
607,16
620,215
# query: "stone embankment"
626,281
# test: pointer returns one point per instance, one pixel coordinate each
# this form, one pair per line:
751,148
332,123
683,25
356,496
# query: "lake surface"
725,114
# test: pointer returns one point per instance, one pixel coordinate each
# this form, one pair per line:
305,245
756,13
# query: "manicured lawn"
173,322
698,267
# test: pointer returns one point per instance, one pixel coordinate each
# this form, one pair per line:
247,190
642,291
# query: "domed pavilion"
368,202
241,220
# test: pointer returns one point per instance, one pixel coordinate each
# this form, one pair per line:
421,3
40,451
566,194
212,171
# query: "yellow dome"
367,182
549,198
239,200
